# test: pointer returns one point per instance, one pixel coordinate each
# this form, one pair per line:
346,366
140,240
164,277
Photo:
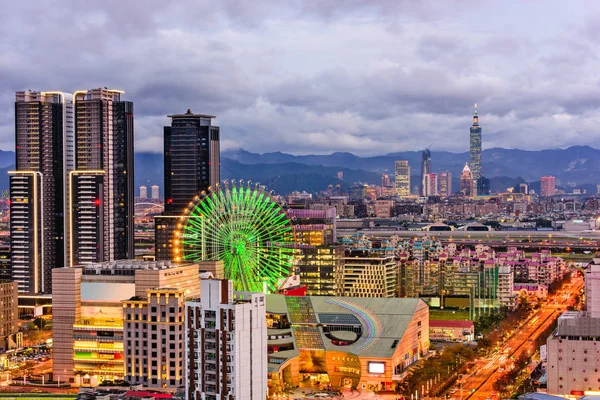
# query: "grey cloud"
316,76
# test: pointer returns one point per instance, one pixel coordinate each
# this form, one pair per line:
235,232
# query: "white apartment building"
226,342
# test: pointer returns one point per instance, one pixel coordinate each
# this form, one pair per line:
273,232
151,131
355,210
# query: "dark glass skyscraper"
192,165
425,169
44,155
101,201
475,147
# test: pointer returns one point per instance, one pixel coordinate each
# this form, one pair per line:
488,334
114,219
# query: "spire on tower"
475,108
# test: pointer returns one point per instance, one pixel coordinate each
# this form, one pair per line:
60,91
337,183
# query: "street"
478,384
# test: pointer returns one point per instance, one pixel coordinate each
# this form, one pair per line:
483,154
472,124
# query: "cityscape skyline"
318,101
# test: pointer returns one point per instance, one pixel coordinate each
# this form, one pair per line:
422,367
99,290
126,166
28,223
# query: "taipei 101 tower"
475,147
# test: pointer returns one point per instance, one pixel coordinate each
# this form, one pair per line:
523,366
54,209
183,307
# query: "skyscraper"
445,184
475,147
483,186
143,192
466,182
425,169
101,186
402,178
44,156
548,186
192,165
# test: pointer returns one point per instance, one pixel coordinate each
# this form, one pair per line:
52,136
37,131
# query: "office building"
153,330
367,274
44,156
321,269
192,165
101,197
344,341
445,179
340,175
88,324
431,185
402,178
548,186
475,147
155,192
466,182
314,227
225,344
143,192
10,337
425,170
483,186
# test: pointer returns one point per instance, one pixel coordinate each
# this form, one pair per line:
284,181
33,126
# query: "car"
452,391
500,369
37,391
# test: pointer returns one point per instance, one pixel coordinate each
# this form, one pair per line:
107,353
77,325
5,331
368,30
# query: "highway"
478,384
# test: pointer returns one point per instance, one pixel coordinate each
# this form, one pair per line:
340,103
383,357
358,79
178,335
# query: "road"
478,384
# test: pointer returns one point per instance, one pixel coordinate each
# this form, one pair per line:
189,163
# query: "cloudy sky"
318,76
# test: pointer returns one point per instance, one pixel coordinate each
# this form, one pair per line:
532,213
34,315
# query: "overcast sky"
318,76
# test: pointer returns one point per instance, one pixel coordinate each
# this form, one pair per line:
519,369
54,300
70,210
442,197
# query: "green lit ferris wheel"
241,224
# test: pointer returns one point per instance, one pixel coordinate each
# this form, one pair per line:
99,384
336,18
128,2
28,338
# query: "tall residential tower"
44,157
475,147
192,159
101,194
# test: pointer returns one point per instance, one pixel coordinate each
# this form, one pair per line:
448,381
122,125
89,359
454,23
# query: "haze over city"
321,76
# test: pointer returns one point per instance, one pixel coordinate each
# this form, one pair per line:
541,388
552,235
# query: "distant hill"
576,166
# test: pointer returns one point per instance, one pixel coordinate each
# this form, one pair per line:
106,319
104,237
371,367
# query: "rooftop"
190,114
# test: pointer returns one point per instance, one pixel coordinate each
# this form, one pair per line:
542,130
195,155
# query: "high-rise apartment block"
402,178
548,186
368,274
10,337
44,155
192,165
445,179
225,344
101,197
143,192
153,330
431,185
425,170
385,181
475,147
155,192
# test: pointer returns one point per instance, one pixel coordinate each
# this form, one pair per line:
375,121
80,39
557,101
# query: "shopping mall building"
324,341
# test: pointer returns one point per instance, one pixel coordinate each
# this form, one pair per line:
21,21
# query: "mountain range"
576,166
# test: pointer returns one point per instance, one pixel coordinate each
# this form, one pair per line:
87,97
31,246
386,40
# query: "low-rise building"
451,331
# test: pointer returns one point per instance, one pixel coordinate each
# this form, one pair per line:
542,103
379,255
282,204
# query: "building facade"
321,269
369,275
475,147
143,192
153,330
445,178
155,192
548,186
10,337
431,185
44,155
89,323
101,198
402,178
225,344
